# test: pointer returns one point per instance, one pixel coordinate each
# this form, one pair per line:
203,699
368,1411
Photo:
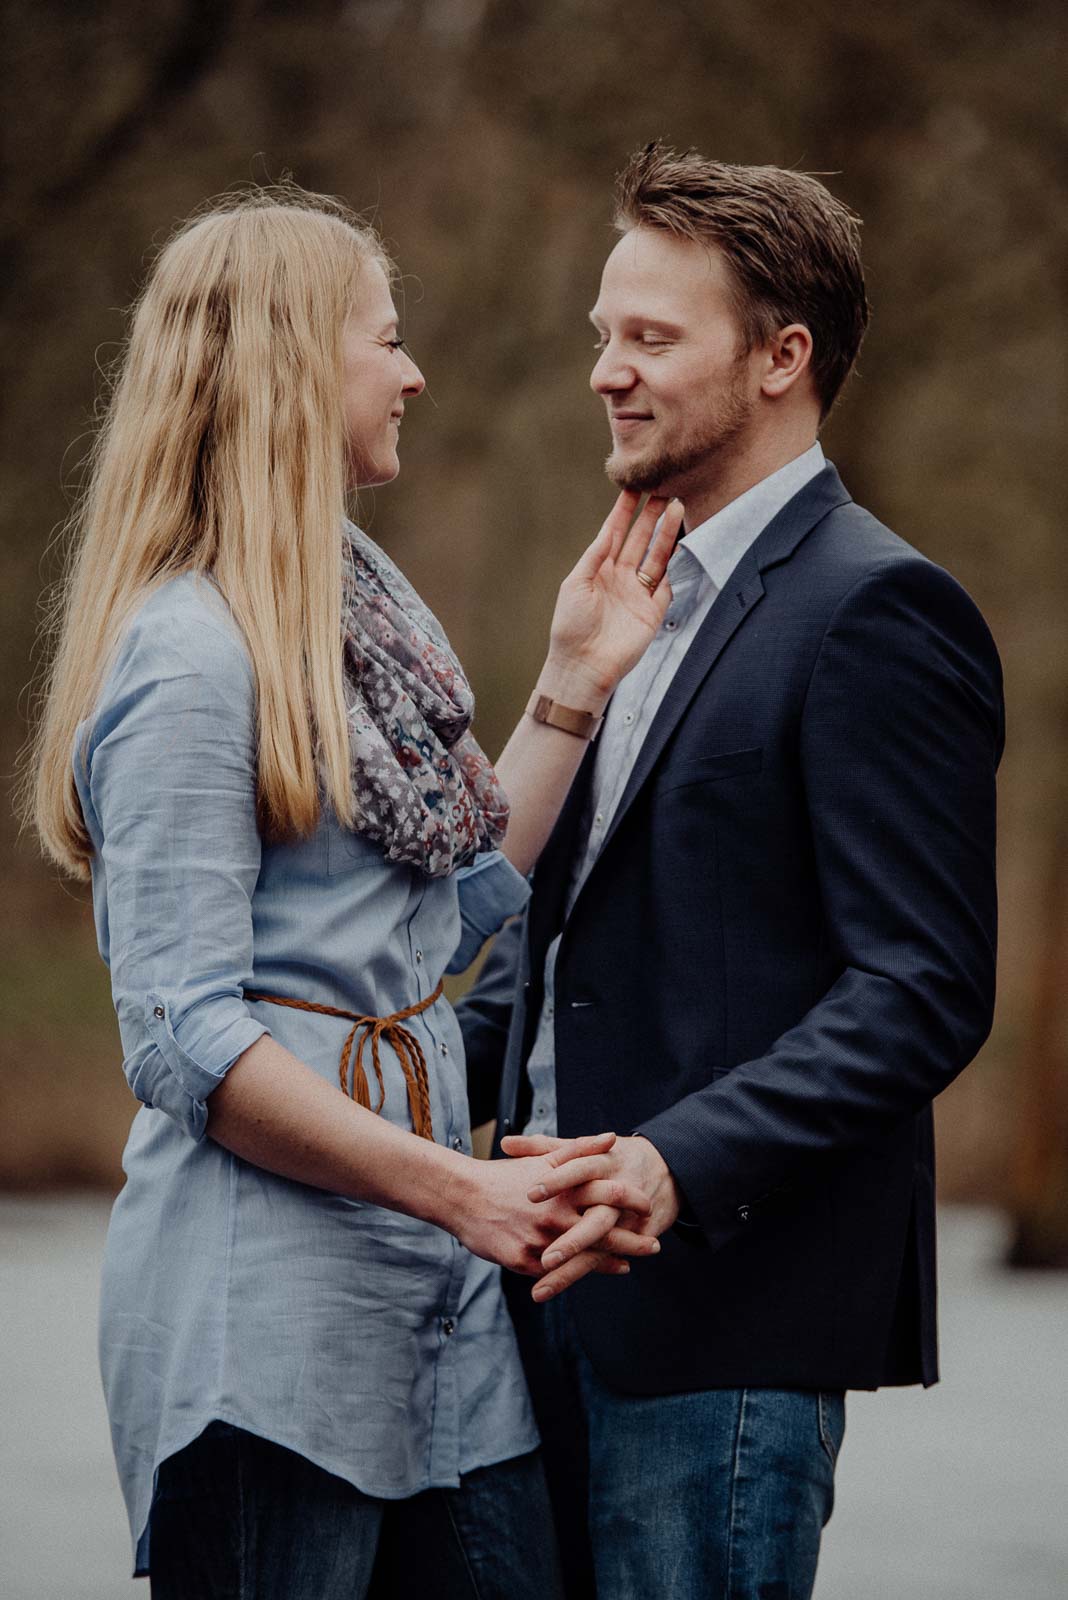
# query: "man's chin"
643,476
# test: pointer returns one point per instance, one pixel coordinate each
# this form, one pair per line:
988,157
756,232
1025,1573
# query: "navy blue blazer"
785,949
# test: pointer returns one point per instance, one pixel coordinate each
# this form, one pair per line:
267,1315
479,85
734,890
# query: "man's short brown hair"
793,250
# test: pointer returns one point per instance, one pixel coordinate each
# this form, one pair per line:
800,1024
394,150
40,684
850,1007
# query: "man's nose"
610,373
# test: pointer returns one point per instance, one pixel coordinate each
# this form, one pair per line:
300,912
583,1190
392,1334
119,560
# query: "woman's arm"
604,619
273,1110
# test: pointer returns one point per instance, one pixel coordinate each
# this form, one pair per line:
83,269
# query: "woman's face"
378,376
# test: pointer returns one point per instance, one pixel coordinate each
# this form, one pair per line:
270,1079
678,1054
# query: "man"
761,938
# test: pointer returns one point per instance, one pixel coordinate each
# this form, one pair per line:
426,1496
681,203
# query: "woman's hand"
636,1162
489,1209
606,615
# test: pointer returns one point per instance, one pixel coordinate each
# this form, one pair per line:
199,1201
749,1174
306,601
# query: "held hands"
566,1195
607,1219
606,614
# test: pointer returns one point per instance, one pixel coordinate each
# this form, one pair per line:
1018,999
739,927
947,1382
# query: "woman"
290,841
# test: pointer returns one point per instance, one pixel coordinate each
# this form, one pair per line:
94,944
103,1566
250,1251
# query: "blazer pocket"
708,769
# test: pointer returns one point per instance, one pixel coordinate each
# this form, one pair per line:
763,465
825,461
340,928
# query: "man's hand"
492,1209
635,1162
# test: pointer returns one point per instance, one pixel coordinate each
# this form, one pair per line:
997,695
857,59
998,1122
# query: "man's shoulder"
852,541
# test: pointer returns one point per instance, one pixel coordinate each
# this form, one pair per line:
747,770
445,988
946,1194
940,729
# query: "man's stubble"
700,454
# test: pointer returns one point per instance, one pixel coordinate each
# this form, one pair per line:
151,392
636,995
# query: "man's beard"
673,467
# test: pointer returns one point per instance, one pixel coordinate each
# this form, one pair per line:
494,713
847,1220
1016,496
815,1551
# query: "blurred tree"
484,133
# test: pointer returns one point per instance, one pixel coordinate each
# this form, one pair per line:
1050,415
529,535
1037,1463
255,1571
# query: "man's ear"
788,356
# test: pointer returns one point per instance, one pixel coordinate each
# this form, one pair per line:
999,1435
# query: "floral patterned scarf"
421,785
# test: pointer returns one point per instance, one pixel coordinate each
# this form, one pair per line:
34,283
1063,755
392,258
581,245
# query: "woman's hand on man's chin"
606,614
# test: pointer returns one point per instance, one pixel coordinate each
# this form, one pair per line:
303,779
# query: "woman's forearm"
539,762
609,608
274,1111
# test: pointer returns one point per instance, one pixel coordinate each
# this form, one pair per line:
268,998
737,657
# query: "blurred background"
482,135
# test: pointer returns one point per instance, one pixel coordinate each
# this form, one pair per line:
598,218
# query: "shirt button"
671,625
457,1143
158,1011
444,1048
419,957
628,717
548,1008
599,820
540,1110
448,1327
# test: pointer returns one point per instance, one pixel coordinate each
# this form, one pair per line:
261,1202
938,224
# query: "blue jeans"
721,1495
236,1517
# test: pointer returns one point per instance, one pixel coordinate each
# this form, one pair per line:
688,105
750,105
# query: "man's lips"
628,421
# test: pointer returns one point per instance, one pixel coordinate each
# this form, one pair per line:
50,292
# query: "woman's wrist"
577,685
453,1195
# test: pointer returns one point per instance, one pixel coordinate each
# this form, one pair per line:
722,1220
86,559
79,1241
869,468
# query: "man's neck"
734,474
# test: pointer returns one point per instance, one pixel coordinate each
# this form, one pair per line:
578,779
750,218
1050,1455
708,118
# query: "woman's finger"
640,536
653,562
589,1230
598,1227
558,1150
553,1283
610,539
570,1175
623,1193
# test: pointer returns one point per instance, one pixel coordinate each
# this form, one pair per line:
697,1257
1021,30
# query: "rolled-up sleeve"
171,769
491,890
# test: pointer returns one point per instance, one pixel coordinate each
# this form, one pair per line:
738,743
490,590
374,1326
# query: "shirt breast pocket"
709,769
347,851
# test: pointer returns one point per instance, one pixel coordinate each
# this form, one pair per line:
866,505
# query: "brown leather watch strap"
584,724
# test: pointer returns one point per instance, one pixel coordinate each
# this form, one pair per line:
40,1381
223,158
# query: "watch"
585,724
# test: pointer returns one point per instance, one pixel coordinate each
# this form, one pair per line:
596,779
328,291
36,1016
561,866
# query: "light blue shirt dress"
370,1342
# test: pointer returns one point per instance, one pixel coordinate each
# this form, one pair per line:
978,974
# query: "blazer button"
743,1213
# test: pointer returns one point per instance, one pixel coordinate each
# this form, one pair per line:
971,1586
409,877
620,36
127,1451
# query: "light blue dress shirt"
698,570
370,1342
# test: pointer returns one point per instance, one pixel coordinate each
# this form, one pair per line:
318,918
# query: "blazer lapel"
740,595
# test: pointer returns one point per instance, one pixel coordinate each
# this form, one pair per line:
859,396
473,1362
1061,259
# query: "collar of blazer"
740,594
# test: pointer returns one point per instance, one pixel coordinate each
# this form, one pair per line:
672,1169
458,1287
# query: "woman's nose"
414,382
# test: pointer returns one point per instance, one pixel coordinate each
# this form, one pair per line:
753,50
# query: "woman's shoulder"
184,628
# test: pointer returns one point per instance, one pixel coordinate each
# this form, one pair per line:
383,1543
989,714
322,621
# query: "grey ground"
957,1494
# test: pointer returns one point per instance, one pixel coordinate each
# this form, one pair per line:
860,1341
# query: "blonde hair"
222,451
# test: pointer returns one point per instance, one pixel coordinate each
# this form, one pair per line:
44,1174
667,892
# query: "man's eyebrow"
636,320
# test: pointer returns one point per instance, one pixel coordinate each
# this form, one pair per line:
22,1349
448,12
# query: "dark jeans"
236,1517
720,1495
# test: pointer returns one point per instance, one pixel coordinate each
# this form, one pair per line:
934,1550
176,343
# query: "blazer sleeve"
171,765
900,737
485,1016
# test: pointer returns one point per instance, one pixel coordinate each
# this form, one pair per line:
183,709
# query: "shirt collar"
720,542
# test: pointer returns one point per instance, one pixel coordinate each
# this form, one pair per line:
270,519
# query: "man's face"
673,371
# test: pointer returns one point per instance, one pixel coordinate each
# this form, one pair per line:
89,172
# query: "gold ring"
644,578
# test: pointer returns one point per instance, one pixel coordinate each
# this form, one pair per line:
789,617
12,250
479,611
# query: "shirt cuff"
177,1076
491,890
